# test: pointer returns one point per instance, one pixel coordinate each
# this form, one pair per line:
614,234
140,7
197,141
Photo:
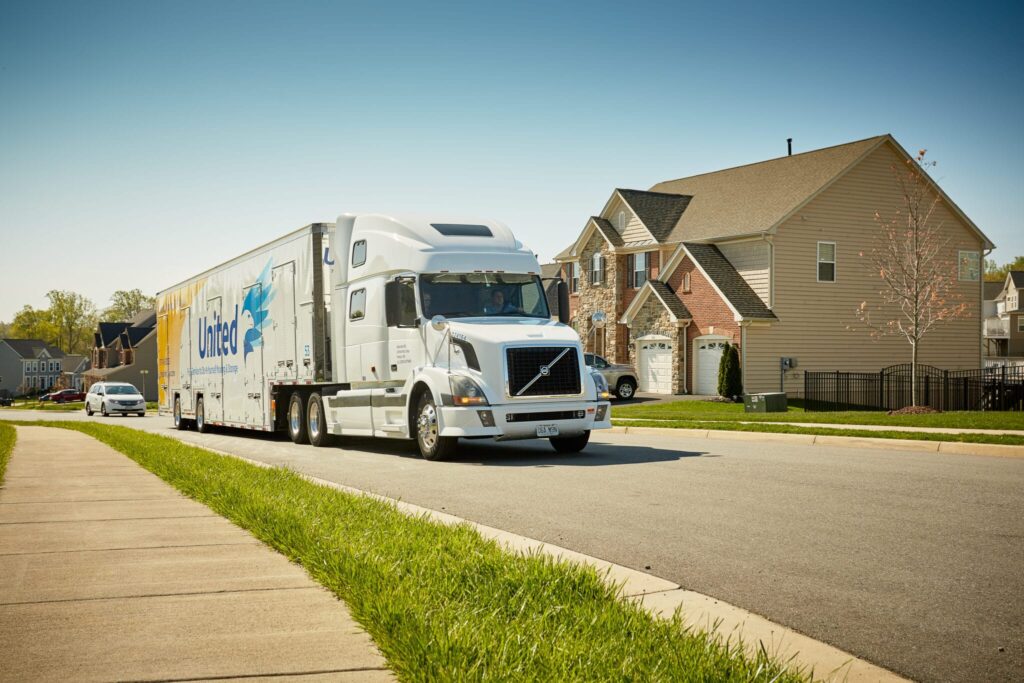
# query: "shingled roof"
1017,277
755,197
31,348
671,301
992,289
658,211
604,226
729,282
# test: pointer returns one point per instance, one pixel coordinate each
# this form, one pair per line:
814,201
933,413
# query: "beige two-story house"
1004,323
773,257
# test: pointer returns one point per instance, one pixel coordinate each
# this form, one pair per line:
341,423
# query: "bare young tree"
912,258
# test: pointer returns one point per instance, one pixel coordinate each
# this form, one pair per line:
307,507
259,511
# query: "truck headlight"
466,392
602,386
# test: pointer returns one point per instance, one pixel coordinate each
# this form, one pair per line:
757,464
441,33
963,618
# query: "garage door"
656,367
709,355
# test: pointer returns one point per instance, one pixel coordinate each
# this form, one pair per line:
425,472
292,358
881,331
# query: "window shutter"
629,270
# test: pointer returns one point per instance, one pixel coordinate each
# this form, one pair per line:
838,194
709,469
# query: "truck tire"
626,388
316,424
297,420
432,445
179,423
201,425
571,444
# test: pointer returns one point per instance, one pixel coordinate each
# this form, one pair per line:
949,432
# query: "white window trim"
959,262
644,270
818,261
597,268
1020,323
686,283
574,277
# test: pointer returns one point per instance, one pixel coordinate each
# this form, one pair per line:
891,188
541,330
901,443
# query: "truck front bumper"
523,420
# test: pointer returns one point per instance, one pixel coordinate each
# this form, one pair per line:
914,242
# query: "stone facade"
654,319
598,297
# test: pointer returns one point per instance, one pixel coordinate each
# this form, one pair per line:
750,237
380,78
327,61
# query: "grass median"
442,602
7,438
713,411
999,439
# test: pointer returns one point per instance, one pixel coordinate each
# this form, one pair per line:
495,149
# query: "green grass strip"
1000,439
442,602
8,435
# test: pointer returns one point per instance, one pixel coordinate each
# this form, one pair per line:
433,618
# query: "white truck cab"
408,327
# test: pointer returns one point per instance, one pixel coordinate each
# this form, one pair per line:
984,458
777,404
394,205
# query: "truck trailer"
379,325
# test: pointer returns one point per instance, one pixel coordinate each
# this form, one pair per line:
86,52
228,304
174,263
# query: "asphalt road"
913,561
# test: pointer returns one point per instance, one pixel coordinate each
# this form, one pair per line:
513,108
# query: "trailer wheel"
201,425
432,445
178,422
316,424
297,419
571,444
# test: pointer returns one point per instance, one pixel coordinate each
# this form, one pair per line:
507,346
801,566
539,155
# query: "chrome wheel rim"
428,426
293,417
626,391
314,420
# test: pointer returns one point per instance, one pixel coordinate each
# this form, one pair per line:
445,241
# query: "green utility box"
772,402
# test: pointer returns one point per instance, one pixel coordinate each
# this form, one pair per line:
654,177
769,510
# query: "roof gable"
658,211
594,223
723,276
677,310
33,348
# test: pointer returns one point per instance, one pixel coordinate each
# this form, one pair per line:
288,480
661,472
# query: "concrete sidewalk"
107,573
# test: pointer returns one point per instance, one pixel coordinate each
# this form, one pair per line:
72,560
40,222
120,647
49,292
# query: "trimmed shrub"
730,383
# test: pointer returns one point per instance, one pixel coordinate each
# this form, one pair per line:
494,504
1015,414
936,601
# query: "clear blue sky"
141,142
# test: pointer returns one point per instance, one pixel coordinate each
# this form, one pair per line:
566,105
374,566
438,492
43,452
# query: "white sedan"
109,398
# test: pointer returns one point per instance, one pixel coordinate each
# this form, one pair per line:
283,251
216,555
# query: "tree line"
70,319
994,273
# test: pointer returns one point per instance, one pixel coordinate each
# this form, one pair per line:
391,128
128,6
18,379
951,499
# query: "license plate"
547,430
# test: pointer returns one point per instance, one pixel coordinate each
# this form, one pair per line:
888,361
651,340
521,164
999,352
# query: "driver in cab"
498,304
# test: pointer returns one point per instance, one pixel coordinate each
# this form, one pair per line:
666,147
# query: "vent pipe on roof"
789,144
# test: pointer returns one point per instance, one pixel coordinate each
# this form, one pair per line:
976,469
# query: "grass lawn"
441,602
733,412
1005,440
7,436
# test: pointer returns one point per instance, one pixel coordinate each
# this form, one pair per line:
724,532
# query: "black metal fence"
996,388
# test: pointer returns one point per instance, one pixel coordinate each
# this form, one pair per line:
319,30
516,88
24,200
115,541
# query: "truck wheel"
432,445
201,425
297,420
571,444
178,422
316,425
626,389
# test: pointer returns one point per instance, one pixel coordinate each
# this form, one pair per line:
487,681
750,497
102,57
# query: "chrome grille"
543,371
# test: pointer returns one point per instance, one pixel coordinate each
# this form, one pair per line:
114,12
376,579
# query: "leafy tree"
919,288
730,382
33,323
126,304
5,330
73,316
994,273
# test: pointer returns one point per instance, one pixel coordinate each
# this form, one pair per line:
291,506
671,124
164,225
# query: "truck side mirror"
400,302
563,302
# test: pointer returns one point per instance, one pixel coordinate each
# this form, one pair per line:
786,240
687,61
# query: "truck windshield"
456,295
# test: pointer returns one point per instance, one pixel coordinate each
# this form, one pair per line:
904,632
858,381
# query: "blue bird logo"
257,305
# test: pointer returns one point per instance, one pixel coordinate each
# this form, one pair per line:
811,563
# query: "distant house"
28,366
72,367
126,352
766,257
1004,317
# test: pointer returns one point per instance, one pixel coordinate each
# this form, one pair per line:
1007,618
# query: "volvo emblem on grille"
545,371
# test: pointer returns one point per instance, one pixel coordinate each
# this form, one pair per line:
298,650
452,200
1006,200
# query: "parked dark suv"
621,378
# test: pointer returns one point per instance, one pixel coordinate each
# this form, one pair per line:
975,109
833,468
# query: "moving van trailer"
395,327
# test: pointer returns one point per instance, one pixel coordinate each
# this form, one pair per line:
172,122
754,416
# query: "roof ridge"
765,161
662,194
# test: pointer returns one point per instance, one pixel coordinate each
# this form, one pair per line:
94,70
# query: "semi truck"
399,327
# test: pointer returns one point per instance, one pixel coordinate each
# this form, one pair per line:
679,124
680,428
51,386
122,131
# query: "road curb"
659,597
949,447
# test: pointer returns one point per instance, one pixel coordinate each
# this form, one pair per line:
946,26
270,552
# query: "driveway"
910,560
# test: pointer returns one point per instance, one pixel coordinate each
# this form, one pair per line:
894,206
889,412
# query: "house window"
53,366
638,273
826,261
1020,323
357,305
686,283
622,221
970,265
597,268
359,253
572,274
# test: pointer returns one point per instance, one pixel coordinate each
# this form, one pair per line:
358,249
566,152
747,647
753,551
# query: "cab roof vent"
462,230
